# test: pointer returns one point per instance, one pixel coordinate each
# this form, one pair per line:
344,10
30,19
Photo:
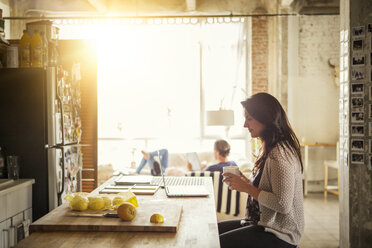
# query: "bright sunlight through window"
155,82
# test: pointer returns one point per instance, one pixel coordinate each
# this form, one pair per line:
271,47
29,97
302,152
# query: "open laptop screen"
193,159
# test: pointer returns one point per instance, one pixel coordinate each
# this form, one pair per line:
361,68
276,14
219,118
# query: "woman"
274,215
221,152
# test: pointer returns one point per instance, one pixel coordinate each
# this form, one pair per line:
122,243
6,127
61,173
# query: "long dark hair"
267,110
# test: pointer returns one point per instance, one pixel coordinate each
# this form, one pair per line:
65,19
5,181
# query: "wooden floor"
321,221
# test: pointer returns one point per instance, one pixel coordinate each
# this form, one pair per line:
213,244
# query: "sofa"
177,164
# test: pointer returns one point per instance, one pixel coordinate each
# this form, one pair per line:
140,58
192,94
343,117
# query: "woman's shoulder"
282,152
283,158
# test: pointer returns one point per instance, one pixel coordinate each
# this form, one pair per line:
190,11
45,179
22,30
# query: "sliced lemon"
157,218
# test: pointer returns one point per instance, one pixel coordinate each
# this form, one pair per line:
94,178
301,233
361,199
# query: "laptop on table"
182,190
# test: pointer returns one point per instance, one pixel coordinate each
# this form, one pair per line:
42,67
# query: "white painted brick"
316,96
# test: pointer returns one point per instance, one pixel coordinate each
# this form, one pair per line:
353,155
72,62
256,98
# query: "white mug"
231,169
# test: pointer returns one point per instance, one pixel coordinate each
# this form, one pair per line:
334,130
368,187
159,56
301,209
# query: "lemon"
129,196
127,211
96,203
125,197
157,218
79,203
118,200
107,201
69,197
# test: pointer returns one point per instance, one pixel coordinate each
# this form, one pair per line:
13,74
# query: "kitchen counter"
9,185
15,210
198,228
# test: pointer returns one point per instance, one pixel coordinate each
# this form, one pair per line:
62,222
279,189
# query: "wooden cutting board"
65,219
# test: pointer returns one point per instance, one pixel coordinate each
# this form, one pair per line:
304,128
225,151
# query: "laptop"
193,159
131,180
182,190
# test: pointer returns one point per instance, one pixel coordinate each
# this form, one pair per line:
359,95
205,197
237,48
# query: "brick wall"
260,54
314,94
315,97
318,41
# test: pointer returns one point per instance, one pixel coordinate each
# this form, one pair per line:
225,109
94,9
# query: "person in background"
221,152
148,157
275,212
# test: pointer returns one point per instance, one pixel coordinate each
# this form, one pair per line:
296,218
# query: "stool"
330,188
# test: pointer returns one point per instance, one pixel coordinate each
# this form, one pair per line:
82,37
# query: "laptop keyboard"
178,181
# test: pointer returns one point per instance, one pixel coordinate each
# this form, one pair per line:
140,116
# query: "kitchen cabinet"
16,211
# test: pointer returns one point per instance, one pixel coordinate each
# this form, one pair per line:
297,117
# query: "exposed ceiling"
176,7
316,6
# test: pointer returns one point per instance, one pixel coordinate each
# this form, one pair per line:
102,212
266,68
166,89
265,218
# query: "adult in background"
148,157
221,153
275,213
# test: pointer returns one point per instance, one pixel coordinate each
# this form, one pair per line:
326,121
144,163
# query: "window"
155,82
224,73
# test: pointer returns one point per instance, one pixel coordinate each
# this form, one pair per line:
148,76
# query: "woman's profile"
274,214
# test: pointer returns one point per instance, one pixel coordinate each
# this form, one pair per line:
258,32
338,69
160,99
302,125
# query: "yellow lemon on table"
69,197
96,203
79,203
107,201
129,196
125,197
117,201
127,211
157,218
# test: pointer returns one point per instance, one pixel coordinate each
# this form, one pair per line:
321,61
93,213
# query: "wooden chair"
333,189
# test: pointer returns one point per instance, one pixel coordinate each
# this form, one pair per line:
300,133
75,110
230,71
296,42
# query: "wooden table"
198,228
306,159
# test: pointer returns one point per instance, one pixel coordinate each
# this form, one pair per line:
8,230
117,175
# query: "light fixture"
225,115
222,117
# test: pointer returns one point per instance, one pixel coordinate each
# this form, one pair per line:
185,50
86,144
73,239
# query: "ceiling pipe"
43,13
153,16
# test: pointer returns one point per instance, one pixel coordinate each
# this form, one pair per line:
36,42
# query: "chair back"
227,201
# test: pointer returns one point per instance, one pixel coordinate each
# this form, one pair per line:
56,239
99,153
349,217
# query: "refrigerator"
40,123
